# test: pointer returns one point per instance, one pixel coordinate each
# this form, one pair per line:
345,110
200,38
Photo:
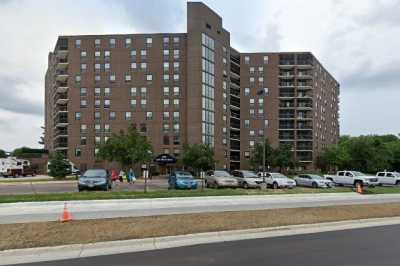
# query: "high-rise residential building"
186,88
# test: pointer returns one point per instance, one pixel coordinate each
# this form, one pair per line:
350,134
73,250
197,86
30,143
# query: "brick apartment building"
186,88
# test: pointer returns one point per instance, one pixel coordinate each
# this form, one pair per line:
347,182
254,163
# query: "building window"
166,103
107,66
251,143
149,77
176,91
176,140
260,101
166,140
107,54
128,115
143,54
247,59
166,40
246,91
128,42
112,78
83,53
176,66
107,103
261,80
83,92
165,115
83,140
176,103
251,112
97,128
266,59
261,69
247,154
143,103
166,91
251,101
107,128
166,66
97,103
97,78
133,92
176,54
176,77
78,43
266,91
77,115
143,65
97,54
133,103
83,128
107,91
83,103
149,41
112,43
112,116
128,78
97,43
133,65
97,140
266,123
97,66
149,115
143,92
166,77
251,70
83,67
246,123
165,127
77,78
176,39
176,116
77,152
251,80
176,127
97,115
251,133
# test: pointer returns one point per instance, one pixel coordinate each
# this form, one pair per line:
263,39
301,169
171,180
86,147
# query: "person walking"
131,176
121,176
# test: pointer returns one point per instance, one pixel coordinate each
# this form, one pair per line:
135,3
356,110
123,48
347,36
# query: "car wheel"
398,183
314,185
275,185
245,185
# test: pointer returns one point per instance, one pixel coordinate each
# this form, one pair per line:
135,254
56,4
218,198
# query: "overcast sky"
357,41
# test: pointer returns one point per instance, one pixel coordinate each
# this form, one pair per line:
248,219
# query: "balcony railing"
286,84
286,62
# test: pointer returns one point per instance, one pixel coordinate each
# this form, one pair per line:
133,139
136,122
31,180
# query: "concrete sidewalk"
10,257
97,209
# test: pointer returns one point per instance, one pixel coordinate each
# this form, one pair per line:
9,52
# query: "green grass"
382,190
158,194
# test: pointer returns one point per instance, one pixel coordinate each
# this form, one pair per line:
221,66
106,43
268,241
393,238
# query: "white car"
346,178
388,178
247,179
277,180
314,181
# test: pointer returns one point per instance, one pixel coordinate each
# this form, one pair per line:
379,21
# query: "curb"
29,255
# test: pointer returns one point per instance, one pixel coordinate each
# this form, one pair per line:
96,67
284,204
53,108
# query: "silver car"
248,179
314,181
217,179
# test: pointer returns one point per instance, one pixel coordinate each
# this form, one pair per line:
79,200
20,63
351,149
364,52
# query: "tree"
256,156
283,157
199,157
128,149
28,152
3,154
58,166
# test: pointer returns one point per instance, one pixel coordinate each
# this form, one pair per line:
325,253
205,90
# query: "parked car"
247,179
94,179
315,181
388,178
28,170
217,179
181,180
277,180
353,178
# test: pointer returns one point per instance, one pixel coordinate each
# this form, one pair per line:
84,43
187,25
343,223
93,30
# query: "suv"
353,178
95,179
247,179
388,178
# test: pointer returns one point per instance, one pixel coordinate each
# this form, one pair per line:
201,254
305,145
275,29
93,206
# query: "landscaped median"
180,193
14,236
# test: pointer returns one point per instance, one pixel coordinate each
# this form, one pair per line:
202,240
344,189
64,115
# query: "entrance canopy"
165,159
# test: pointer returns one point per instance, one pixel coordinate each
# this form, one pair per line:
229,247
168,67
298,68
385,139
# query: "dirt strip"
14,236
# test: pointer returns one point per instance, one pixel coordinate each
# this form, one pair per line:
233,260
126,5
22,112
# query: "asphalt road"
71,186
95,209
375,246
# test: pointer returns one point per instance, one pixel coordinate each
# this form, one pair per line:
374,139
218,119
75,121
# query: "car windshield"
278,175
358,173
316,177
221,173
249,174
95,173
183,175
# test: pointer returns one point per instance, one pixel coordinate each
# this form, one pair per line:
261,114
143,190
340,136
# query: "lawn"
159,194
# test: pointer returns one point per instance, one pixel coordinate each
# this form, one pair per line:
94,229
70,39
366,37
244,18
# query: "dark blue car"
181,180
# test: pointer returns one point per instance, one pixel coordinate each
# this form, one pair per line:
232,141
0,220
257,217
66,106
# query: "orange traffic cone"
66,215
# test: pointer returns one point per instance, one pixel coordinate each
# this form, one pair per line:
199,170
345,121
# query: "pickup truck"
346,178
388,178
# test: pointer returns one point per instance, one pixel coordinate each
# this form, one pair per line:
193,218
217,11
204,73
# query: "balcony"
304,75
286,135
61,98
304,146
286,74
61,87
304,125
62,53
304,84
304,156
286,84
286,114
286,105
304,105
302,94
61,121
286,125
286,62
307,135
61,133
61,75
62,64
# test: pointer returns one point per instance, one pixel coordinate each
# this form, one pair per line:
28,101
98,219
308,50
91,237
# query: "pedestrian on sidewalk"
114,175
121,176
131,176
